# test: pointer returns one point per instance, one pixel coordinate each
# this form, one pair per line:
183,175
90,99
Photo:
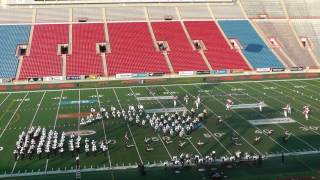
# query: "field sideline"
20,110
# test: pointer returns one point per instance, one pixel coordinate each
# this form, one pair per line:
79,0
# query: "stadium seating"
218,53
310,30
10,37
254,48
289,43
84,59
133,50
43,59
271,8
182,57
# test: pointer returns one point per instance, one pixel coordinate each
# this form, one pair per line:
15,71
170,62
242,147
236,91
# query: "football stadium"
160,89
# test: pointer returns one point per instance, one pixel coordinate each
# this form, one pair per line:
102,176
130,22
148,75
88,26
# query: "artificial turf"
20,110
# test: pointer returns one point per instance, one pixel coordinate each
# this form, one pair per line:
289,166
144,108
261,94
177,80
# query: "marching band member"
229,102
186,99
261,103
285,111
306,111
175,98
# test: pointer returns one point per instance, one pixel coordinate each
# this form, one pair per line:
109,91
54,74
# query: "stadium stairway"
43,59
254,49
133,50
85,60
218,51
288,41
191,41
10,37
181,54
154,40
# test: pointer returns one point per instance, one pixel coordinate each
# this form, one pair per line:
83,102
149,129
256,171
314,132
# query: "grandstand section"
132,50
263,8
194,12
218,51
85,59
52,15
283,34
44,59
302,8
227,11
125,14
311,31
90,14
10,37
253,47
181,54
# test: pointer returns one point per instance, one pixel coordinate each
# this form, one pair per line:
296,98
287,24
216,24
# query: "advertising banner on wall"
263,69
186,73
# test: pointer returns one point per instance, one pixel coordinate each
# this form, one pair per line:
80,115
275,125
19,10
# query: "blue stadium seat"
10,37
254,49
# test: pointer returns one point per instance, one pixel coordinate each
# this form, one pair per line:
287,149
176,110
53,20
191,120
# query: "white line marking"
227,124
167,85
55,123
5,99
135,144
153,131
205,127
165,107
248,123
278,125
13,115
104,130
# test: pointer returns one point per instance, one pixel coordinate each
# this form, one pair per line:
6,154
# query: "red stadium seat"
43,59
132,50
182,57
84,59
218,52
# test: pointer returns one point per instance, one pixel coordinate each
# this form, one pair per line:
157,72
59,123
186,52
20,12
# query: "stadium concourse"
104,86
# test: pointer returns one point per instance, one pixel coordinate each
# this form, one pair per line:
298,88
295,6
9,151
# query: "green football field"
59,110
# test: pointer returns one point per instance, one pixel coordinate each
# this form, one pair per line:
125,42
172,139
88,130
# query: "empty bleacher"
227,11
310,29
133,50
43,59
182,57
271,8
10,37
194,12
84,59
218,53
288,42
255,50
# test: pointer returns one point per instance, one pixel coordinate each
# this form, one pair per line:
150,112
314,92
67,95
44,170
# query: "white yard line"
303,102
165,107
5,99
135,144
167,85
247,121
281,102
55,124
34,117
204,126
134,94
35,114
278,125
227,124
314,107
13,115
104,129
